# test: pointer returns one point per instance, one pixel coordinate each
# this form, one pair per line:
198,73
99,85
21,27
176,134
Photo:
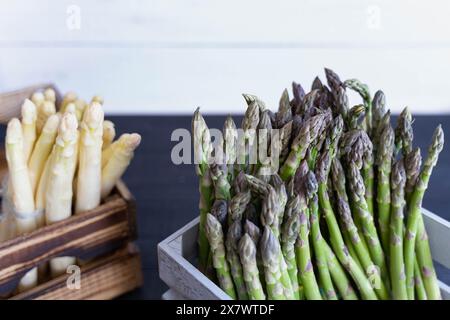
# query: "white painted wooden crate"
177,256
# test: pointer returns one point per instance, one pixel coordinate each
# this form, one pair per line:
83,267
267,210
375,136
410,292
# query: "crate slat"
177,255
102,279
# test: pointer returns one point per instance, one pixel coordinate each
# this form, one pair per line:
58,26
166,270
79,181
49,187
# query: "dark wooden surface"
167,196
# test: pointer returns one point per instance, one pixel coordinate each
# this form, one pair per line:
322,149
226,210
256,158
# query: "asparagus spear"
420,292
255,233
234,234
320,250
247,145
270,211
69,97
414,216
45,109
109,133
118,163
58,198
37,98
89,176
412,163
20,182
278,283
363,91
237,206
29,116
289,235
230,145
214,234
50,94
247,253
378,109
310,130
219,210
336,239
362,252
303,254
404,133
284,114
42,150
396,263
384,160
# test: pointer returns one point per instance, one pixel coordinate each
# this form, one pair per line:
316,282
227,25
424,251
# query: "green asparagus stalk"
289,235
214,234
414,215
247,253
396,263
378,109
362,252
384,161
230,146
404,133
237,206
420,292
412,161
303,255
255,233
278,287
363,91
270,211
234,234
202,152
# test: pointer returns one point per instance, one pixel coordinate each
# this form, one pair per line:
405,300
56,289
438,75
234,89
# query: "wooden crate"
105,233
177,256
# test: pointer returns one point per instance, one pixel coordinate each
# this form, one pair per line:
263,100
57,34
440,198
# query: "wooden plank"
102,279
438,231
179,274
172,295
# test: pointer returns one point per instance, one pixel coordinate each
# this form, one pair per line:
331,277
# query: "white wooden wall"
169,56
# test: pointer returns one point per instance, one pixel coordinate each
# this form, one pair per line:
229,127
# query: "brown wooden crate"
86,235
102,279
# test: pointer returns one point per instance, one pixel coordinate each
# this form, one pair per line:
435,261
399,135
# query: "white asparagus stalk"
37,98
58,198
50,95
44,111
69,97
42,149
109,133
29,116
17,166
80,107
22,194
89,169
120,158
41,190
98,99
107,152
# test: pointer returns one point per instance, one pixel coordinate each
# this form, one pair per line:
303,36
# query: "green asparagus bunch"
329,209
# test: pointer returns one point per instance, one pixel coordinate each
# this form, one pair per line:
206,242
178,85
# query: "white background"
169,56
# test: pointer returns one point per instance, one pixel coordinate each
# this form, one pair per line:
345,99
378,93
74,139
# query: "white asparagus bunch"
42,150
22,194
58,198
122,153
90,169
29,116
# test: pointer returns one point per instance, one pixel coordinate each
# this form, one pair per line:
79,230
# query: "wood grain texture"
102,279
